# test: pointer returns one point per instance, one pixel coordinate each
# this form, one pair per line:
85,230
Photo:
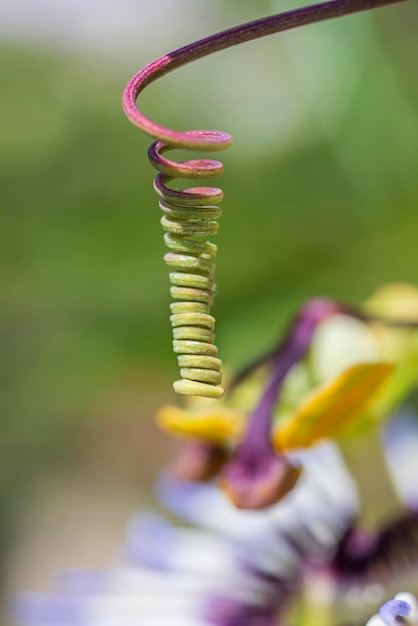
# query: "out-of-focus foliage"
84,298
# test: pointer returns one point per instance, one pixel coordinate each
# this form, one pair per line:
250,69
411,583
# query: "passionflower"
335,372
228,567
303,559
307,560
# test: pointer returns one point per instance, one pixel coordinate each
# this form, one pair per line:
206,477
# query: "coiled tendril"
192,213
188,215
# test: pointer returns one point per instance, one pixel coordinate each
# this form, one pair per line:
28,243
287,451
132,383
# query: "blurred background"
321,197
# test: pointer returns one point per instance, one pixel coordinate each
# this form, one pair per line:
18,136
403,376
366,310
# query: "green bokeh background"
86,355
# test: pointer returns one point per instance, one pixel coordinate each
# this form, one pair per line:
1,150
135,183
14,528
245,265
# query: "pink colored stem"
213,140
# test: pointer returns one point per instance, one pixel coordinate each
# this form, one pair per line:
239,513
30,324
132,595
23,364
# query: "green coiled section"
189,216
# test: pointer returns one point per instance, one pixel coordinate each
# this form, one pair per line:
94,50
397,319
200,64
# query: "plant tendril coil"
192,213
188,216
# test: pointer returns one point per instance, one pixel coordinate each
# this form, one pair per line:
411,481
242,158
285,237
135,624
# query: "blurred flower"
237,567
309,553
312,393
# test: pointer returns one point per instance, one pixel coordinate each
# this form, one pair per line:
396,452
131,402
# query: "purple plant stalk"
258,476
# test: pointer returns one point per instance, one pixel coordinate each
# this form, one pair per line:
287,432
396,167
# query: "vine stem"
201,140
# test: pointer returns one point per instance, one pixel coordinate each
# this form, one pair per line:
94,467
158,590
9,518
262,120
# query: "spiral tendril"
192,213
189,215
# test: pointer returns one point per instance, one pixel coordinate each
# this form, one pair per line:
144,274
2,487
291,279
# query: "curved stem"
221,41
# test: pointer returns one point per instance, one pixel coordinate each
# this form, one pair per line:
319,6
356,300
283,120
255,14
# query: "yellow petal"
217,426
334,407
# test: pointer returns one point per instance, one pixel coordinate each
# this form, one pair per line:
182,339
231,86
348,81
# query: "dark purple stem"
258,432
257,477
291,351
